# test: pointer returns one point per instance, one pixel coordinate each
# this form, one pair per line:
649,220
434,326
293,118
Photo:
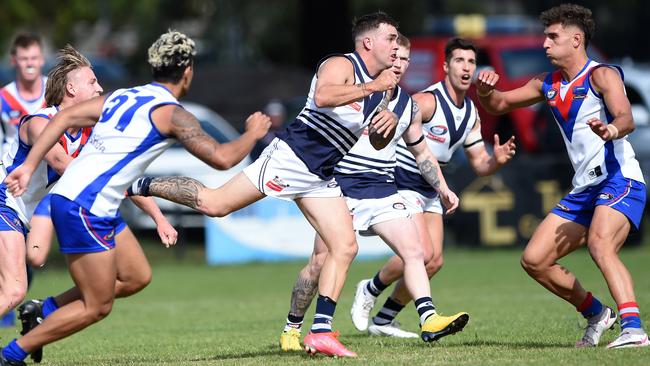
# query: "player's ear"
70,89
577,40
367,43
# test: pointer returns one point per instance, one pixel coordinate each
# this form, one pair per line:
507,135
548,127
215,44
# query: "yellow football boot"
290,340
437,326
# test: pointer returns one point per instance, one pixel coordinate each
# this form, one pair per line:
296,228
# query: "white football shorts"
417,203
371,211
279,173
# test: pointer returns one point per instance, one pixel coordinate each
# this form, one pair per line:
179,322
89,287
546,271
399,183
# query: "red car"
516,58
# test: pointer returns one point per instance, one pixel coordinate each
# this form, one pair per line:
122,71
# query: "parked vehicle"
516,57
177,161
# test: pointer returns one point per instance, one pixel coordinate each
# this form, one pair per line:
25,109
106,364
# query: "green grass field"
193,314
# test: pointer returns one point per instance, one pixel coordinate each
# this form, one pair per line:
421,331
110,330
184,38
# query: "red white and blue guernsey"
606,172
123,143
320,137
445,132
13,107
44,176
367,173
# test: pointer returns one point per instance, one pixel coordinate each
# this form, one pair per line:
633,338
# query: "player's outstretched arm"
500,102
181,124
84,114
481,161
335,85
609,84
168,235
56,157
427,163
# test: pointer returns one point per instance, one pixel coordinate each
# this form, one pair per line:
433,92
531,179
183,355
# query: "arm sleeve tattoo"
182,190
429,172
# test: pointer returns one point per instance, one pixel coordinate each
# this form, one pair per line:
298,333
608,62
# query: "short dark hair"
458,44
170,55
571,14
369,22
24,40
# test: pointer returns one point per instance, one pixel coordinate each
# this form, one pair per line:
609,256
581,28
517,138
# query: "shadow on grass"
394,342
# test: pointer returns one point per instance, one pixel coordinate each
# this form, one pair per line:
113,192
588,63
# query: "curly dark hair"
571,14
369,22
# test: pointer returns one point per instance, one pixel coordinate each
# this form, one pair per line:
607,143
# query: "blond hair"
170,55
69,60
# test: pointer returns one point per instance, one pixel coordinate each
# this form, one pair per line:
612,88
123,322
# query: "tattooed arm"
427,163
177,122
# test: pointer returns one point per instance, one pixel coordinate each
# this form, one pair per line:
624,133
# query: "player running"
131,128
450,121
366,177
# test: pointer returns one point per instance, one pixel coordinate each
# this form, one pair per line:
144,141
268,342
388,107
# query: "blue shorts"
79,231
626,196
43,207
9,221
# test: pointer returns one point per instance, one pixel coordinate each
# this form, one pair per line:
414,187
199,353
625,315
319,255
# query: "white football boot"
596,326
630,338
361,306
392,329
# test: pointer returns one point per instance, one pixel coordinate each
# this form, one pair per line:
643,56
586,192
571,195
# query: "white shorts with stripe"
371,211
418,203
279,173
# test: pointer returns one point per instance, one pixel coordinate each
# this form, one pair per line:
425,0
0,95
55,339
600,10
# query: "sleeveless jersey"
44,176
320,137
365,172
445,132
572,104
14,107
123,143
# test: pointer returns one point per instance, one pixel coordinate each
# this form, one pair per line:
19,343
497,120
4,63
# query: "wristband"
613,132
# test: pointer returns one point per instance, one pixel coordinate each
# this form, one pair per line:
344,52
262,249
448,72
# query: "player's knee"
99,312
434,265
142,280
346,249
532,264
600,250
412,253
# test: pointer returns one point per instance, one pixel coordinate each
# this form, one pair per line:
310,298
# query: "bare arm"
427,163
500,102
481,161
56,157
84,114
335,85
177,122
608,82
168,235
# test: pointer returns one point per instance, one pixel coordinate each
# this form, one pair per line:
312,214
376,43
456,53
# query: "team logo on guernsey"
550,94
605,196
579,92
399,206
562,207
437,133
277,184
